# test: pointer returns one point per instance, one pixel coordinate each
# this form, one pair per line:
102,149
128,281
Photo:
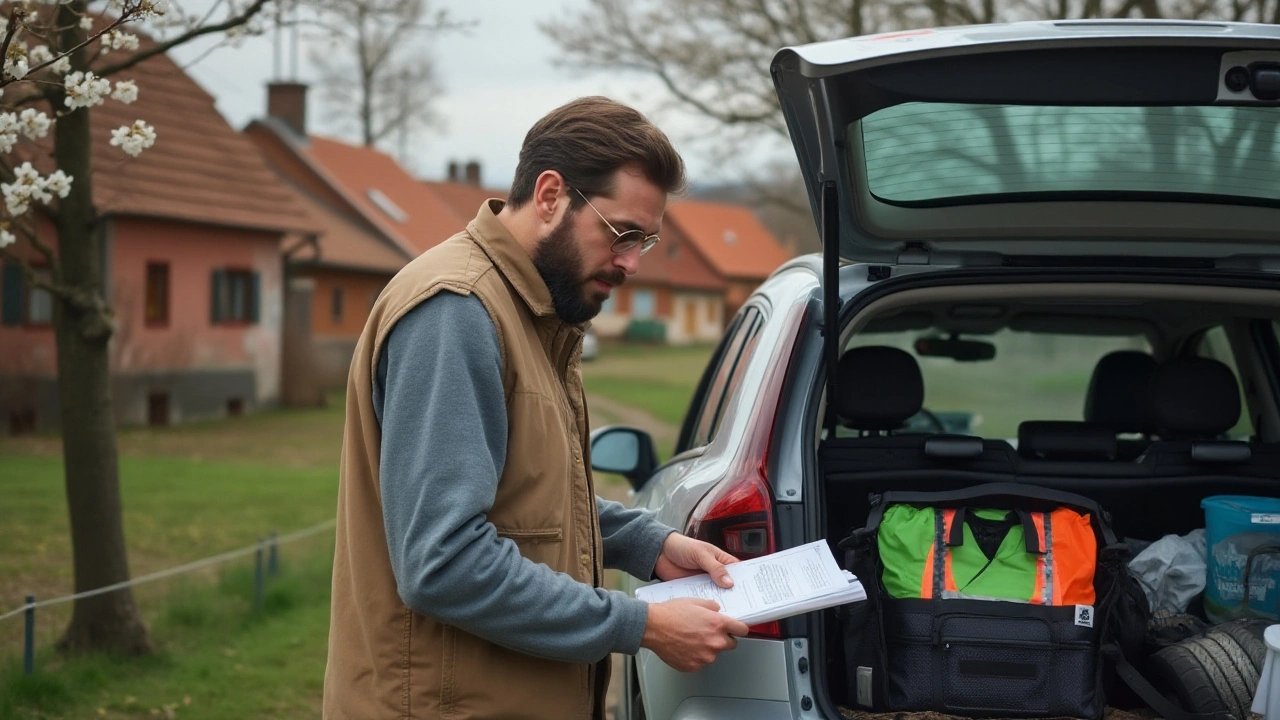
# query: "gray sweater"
439,400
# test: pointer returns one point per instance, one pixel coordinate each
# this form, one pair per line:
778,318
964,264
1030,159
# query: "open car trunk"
1153,490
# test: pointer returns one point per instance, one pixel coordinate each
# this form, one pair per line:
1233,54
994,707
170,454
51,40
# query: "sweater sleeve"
632,538
439,398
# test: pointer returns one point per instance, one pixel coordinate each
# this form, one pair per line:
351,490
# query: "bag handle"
1030,536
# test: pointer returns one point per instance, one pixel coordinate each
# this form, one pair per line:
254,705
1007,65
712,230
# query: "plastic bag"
1172,571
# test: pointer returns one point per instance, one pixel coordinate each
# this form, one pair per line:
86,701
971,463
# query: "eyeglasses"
623,241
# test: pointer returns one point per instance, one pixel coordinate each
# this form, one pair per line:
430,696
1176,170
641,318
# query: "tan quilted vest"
386,661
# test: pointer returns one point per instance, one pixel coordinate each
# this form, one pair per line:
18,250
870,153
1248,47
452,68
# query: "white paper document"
771,587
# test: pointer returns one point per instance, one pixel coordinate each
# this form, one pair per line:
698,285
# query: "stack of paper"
771,587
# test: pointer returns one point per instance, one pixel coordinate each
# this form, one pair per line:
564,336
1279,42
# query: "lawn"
201,489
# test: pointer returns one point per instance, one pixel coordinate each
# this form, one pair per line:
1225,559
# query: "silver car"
1013,207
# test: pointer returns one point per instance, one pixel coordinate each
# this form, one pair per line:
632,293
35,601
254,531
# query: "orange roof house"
374,218
674,286
193,229
733,242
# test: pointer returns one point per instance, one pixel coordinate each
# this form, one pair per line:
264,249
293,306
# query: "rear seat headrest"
1118,394
1195,397
1065,440
880,387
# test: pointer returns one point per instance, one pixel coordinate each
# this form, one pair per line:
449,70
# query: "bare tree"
66,73
713,56
375,67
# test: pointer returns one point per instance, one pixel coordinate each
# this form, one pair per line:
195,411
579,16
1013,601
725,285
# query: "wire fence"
266,559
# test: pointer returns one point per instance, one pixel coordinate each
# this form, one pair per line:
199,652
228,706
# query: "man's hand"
688,633
683,556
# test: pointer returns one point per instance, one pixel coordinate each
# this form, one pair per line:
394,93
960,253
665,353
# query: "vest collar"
510,258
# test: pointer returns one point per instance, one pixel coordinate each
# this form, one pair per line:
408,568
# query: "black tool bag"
979,657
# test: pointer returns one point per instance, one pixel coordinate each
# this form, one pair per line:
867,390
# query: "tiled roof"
463,198
344,239
388,196
675,263
730,237
200,169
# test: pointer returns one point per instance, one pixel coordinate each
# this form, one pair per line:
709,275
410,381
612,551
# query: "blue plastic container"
1236,528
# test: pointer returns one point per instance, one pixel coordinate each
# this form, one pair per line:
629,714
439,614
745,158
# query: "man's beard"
559,261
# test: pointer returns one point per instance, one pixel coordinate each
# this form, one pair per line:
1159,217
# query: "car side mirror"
624,451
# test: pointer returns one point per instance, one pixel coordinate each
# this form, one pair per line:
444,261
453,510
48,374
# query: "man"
470,543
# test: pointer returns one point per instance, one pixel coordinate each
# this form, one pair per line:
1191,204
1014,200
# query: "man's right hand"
688,633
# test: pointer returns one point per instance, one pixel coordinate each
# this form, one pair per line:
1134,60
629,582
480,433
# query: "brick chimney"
287,102
473,173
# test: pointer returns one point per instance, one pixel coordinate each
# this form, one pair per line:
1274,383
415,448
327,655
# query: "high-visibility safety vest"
1042,558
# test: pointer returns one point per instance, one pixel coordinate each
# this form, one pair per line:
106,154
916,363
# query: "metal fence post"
272,566
29,637
258,580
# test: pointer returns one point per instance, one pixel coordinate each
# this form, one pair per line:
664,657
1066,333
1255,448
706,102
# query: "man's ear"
550,197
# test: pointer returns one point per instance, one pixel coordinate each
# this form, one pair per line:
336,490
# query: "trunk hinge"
915,253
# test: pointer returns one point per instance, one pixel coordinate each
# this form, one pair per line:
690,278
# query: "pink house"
193,232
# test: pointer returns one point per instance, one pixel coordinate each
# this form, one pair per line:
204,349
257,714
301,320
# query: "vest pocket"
541,545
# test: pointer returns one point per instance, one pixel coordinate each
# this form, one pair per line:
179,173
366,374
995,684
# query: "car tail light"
737,515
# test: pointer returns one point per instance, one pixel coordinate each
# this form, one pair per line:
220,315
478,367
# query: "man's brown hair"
587,141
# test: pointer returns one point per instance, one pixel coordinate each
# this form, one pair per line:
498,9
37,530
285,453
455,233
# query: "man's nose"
629,261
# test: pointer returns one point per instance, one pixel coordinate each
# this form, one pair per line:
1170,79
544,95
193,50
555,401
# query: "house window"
23,303
235,296
335,306
157,307
39,302
642,304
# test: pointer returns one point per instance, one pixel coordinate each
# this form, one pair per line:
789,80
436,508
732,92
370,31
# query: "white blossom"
135,138
40,55
16,67
118,40
7,238
18,194
27,185
154,7
84,89
62,65
9,128
126,91
33,123
58,183
86,23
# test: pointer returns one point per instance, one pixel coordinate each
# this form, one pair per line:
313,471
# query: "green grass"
216,657
196,490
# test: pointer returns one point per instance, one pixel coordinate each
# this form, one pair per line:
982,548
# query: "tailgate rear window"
925,153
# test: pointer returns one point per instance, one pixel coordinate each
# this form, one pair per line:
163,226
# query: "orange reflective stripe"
1041,593
1075,558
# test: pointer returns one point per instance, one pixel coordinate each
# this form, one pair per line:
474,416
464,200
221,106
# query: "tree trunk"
82,328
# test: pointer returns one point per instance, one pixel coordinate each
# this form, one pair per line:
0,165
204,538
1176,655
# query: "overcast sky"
498,79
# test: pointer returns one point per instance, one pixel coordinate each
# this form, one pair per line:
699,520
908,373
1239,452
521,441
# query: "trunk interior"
1037,414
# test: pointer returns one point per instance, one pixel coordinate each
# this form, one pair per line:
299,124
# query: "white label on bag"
1084,615
1265,519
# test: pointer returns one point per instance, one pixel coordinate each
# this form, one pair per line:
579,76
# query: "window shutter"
15,291
255,298
215,300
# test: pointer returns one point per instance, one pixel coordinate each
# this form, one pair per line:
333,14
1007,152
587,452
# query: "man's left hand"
683,556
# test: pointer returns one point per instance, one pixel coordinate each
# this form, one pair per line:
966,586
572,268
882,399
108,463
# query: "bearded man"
471,545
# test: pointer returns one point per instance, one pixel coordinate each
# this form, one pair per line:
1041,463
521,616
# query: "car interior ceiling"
1153,425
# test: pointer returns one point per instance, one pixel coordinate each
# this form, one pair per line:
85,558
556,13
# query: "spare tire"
1248,634
1240,674
1193,677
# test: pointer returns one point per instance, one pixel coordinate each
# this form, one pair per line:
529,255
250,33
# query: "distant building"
192,231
